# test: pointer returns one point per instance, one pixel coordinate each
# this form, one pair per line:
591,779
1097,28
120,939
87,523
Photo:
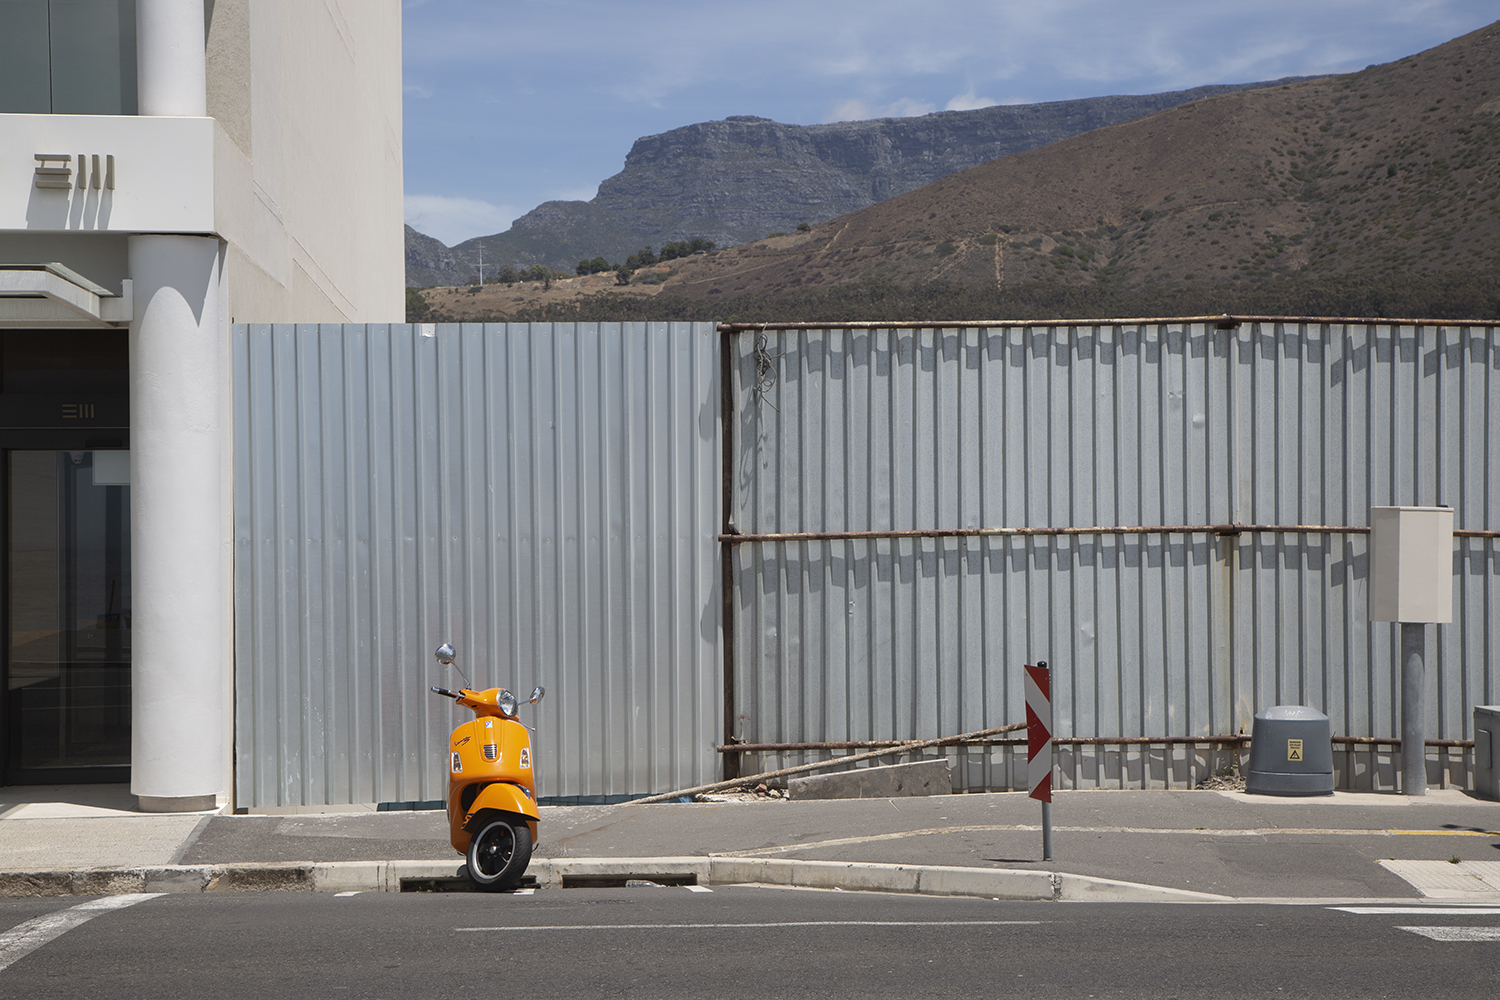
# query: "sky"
510,103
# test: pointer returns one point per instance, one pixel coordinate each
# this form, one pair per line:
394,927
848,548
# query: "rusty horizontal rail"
740,538
1223,320
1396,741
1241,739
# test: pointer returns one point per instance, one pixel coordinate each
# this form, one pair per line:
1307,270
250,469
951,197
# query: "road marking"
354,893
699,888
1152,831
1466,911
524,892
1457,933
730,927
25,938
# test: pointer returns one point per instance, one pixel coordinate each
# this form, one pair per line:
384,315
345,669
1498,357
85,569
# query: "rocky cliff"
429,262
739,179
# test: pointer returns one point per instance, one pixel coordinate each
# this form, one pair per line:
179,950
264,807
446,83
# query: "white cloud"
849,111
853,109
453,220
969,101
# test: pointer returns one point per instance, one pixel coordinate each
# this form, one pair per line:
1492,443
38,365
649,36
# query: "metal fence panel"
545,496
1055,425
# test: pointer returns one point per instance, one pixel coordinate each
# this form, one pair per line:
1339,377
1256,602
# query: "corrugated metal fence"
544,497
548,498
1049,426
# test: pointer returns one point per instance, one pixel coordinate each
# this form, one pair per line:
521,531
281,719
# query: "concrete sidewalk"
1170,845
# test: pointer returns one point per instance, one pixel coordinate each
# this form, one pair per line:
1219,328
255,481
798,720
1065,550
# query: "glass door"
67,615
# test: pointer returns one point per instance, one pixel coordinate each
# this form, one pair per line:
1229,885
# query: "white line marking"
699,888
1457,933
525,892
1456,910
356,892
25,938
728,927
1153,831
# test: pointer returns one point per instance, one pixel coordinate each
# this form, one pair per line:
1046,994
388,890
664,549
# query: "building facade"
167,168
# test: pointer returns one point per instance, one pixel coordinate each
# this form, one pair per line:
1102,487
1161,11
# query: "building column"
171,63
176,492
176,511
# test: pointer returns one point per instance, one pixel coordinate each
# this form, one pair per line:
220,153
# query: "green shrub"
417,309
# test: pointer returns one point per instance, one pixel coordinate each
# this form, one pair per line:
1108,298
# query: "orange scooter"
492,815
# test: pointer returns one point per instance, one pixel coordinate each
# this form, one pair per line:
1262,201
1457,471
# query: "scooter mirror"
444,654
536,694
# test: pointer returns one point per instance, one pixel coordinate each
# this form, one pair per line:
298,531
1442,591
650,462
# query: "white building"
167,168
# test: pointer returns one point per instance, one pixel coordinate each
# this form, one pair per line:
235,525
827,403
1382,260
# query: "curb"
558,873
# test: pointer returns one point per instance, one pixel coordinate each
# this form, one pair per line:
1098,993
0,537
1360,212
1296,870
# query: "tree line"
645,257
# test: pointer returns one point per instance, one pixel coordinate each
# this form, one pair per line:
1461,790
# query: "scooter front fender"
505,797
499,796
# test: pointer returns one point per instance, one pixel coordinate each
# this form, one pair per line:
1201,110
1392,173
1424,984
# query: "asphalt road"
734,941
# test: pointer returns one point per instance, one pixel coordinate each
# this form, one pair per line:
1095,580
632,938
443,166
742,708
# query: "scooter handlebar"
445,693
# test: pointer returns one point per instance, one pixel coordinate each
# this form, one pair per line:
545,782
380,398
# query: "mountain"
1362,185
742,178
429,262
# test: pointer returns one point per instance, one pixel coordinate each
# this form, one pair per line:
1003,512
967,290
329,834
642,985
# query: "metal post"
727,346
1413,742
1046,831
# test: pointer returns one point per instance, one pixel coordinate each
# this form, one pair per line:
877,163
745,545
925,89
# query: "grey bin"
1291,752
1486,749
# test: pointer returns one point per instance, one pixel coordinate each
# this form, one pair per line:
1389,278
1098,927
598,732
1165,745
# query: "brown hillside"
1395,169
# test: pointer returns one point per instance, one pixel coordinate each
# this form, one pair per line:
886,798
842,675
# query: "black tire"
498,854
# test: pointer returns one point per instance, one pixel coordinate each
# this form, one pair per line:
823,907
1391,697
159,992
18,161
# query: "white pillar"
176,506
171,76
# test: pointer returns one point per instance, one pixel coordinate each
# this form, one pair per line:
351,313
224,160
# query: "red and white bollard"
1039,745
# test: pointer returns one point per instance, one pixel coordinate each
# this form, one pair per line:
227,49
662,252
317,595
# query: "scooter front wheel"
498,854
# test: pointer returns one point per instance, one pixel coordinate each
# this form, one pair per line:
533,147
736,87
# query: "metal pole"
727,346
1046,831
1413,746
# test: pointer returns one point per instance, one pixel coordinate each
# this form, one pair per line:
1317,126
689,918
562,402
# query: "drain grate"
452,883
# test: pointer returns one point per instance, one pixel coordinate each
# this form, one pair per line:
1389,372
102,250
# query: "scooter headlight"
507,703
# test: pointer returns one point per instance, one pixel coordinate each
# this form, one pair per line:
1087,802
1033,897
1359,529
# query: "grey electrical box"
1411,564
1486,745
1291,752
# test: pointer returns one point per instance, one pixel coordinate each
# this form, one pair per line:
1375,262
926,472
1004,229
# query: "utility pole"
481,265
1411,582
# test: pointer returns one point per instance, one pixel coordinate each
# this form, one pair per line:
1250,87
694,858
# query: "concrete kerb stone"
375,876
178,878
262,878
70,883
163,878
551,873
1074,888
993,883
